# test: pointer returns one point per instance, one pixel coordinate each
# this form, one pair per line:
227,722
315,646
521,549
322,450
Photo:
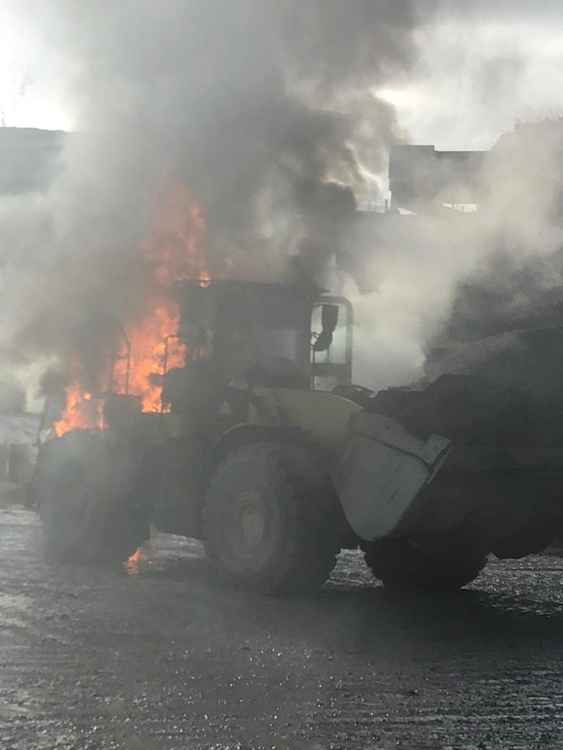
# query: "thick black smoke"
265,108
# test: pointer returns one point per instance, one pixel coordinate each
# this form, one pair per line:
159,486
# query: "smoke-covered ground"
163,659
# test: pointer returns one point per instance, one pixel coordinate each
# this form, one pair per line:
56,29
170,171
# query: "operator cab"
268,334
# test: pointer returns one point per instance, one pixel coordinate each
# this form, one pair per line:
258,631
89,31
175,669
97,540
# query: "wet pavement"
156,655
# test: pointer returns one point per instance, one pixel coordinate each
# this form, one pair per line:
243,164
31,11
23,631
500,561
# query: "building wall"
420,175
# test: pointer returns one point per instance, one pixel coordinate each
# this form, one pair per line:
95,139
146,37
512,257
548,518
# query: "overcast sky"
481,69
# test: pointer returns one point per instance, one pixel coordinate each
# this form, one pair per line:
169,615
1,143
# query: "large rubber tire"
401,564
83,487
272,522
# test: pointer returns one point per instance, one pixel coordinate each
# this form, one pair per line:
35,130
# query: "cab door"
332,322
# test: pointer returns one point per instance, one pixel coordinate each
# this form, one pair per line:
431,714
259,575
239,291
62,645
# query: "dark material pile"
491,426
454,405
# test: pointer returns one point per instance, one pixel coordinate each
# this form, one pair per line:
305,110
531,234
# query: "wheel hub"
252,520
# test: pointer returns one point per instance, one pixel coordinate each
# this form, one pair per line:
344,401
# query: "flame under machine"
266,450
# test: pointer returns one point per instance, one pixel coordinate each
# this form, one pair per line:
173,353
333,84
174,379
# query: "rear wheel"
402,564
84,491
271,519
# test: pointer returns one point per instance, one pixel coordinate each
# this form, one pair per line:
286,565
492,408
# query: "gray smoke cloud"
256,106
444,278
519,283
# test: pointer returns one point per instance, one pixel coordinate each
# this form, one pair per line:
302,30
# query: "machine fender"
244,434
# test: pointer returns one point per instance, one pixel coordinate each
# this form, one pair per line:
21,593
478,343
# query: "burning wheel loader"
267,452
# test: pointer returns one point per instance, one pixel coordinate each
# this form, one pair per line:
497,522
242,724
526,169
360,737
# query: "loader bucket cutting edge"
382,471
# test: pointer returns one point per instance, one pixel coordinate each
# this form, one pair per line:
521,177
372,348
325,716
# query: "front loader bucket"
381,472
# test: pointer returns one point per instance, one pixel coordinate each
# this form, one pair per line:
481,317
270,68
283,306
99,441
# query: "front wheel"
84,492
271,519
402,564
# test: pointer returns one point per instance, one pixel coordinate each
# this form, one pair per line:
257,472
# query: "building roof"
421,174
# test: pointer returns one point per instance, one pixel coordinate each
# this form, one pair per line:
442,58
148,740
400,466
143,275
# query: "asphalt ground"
157,655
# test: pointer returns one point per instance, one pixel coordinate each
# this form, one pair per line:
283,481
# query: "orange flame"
173,251
149,344
174,247
133,563
81,412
